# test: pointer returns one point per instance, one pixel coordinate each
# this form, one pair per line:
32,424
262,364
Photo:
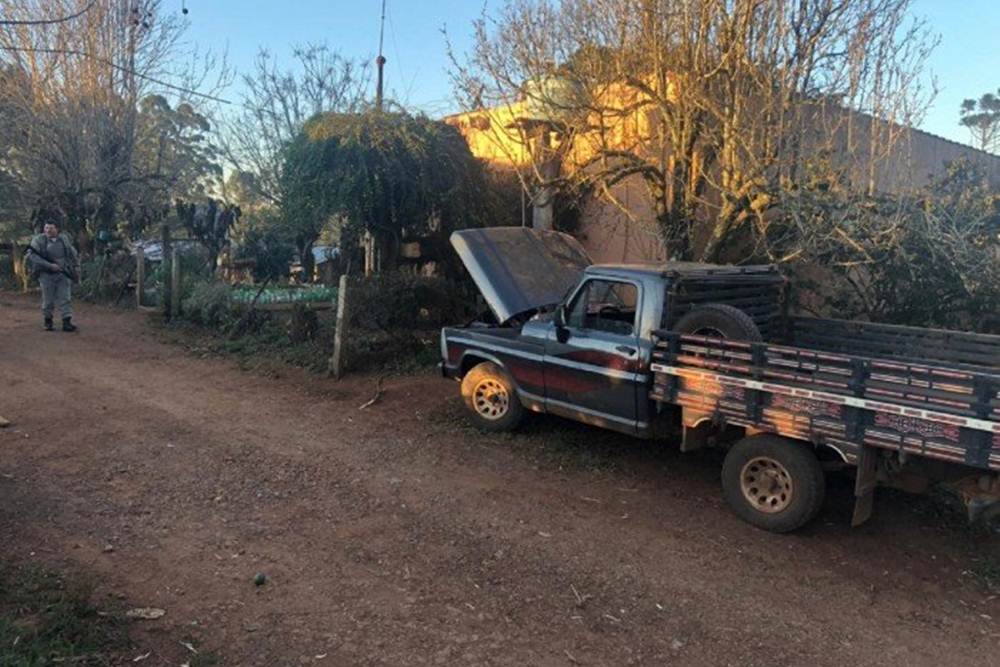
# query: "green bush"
101,277
210,304
394,322
398,301
90,274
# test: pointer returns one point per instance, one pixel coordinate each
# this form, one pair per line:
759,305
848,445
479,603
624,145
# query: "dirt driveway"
396,535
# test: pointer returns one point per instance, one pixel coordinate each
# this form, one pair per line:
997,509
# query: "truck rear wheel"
773,483
491,397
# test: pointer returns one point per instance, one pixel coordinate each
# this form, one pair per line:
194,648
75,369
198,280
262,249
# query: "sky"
965,64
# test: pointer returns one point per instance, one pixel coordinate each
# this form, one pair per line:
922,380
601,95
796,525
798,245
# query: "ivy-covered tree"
394,174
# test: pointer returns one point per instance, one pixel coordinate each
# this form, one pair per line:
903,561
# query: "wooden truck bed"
949,412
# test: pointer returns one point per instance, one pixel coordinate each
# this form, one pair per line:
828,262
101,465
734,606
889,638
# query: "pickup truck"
709,356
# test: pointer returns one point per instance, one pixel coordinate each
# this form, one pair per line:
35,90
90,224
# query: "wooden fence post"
18,264
340,334
175,283
166,257
140,275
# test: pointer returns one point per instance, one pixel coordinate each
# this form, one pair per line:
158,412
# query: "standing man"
54,262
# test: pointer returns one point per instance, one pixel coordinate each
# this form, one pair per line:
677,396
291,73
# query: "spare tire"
721,321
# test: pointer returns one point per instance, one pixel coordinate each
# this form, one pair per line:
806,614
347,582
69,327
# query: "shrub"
210,304
102,277
398,301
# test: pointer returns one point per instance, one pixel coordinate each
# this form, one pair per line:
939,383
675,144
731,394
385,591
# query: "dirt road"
397,535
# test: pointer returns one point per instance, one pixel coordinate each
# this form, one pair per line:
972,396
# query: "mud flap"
864,485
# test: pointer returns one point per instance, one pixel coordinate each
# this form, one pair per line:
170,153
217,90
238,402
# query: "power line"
62,19
121,68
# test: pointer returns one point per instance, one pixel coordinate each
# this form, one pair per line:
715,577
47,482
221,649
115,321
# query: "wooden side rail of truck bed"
838,400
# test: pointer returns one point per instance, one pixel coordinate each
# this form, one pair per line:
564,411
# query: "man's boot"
48,324
68,324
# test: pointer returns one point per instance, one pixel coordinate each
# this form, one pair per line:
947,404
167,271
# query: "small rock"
676,645
108,548
4,423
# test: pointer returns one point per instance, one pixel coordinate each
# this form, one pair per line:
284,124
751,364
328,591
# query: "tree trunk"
307,260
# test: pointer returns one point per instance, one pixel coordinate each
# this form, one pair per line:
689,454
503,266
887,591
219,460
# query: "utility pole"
380,62
369,242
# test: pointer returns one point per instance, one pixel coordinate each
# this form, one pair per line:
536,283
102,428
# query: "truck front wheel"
773,483
492,398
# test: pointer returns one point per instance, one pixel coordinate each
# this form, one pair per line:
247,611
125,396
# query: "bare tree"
72,94
719,108
277,103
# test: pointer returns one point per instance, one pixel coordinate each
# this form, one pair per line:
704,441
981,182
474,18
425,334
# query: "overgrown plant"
930,259
209,222
393,174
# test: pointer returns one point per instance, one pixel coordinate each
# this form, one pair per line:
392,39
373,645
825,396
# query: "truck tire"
773,483
491,397
721,320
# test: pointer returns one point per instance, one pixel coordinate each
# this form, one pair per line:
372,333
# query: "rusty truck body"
708,356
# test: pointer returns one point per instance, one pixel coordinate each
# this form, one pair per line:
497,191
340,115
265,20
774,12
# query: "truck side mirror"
559,319
560,316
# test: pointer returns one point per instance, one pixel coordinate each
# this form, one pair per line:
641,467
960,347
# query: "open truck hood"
518,269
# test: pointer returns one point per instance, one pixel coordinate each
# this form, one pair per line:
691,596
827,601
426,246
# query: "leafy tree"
174,147
982,118
177,160
394,174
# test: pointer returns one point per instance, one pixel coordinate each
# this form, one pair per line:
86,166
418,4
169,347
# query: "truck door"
592,366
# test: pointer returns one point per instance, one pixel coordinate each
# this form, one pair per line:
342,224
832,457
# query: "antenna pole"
380,62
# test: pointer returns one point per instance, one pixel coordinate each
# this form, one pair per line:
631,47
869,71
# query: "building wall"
627,232
917,158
